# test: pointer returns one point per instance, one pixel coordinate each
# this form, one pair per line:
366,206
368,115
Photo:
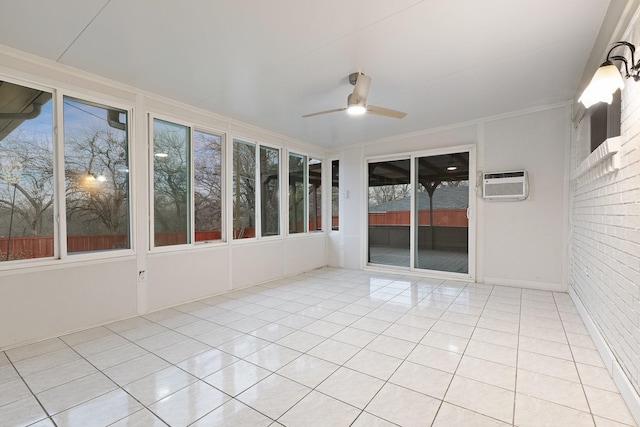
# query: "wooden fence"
441,217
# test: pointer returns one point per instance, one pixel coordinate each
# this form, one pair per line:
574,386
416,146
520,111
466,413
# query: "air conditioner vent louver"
505,185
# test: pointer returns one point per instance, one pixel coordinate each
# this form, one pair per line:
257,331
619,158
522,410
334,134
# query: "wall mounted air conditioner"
511,185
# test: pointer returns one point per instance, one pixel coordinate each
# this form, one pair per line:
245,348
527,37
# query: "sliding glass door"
389,212
442,202
418,211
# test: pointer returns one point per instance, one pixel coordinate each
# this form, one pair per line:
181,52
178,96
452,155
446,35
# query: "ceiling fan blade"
381,111
335,110
361,90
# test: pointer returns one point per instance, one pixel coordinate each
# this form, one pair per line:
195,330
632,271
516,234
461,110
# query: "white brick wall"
605,236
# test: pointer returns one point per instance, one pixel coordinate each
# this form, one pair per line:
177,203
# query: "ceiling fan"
357,101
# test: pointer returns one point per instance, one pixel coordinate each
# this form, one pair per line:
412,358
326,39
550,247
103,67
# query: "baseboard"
528,284
629,394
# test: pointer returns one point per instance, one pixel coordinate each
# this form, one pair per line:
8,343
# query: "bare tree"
26,183
207,183
244,191
170,180
96,175
387,193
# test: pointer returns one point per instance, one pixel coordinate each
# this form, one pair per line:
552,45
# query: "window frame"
222,136
101,103
60,253
259,233
258,191
605,121
320,208
59,147
305,214
191,243
330,195
255,196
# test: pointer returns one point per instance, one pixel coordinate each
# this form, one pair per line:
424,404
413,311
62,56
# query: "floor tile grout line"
515,385
122,387
340,366
460,361
405,358
397,293
575,366
118,386
47,414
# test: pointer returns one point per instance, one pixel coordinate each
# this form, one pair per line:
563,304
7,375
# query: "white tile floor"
327,348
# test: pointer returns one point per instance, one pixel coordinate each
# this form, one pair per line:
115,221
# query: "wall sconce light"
607,79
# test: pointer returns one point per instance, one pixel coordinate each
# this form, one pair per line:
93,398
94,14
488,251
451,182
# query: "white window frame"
223,144
323,218
258,192
259,235
412,156
62,215
191,244
329,191
306,219
60,254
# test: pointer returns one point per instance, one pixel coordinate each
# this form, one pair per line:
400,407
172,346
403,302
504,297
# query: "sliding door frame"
471,212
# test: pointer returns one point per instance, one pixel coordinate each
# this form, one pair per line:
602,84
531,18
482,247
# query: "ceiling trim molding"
68,78
469,123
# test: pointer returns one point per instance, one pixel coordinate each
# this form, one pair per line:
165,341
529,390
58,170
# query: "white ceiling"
269,62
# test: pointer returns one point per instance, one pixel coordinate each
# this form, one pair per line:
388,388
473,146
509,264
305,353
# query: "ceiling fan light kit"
357,101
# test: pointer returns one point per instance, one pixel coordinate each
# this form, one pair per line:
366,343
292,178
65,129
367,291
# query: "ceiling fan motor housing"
353,78
354,99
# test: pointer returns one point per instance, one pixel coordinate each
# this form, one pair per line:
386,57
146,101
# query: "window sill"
604,160
36,264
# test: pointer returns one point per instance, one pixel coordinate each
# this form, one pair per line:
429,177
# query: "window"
297,193
244,194
315,195
335,194
96,164
171,216
95,157
207,186
187,200
270,191
26,173
605,120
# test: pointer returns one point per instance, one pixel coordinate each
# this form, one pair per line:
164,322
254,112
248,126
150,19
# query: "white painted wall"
181,276
303,254
42,299
523,241
351,182
37,303
518,243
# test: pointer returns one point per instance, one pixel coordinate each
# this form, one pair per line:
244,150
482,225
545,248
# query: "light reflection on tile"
237,377
22,412
391,401
206,363
317,409
65,396
159,385
274,395
189,404
352,387
233,413
102,410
